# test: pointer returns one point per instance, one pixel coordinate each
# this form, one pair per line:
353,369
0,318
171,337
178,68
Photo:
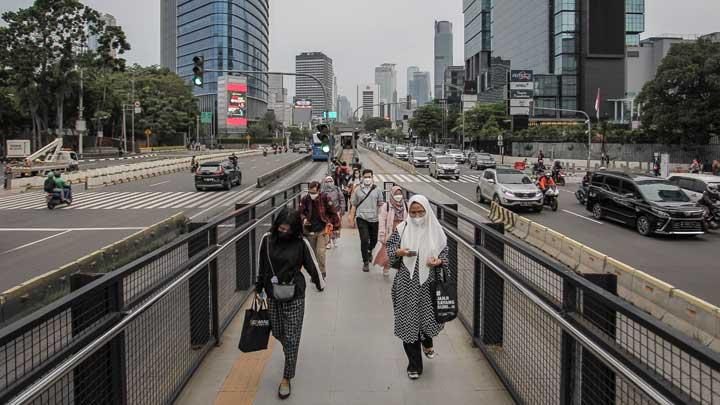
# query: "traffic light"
198,71
324,137
409,102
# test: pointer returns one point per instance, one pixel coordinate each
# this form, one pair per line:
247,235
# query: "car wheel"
597,211
478,196
643,225
539,209
497,201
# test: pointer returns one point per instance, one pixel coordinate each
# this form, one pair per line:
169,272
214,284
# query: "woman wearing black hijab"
283,251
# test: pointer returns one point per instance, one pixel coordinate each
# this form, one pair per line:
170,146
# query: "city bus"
320,154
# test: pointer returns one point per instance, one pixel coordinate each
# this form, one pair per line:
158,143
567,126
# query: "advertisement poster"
237,104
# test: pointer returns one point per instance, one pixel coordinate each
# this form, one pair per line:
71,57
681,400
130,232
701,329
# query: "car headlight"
539,194
660,214
508,193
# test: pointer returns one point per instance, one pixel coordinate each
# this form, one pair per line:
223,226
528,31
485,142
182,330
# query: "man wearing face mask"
318,213
365,202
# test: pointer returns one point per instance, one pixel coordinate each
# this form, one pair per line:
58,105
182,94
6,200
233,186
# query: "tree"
682,102
391,134
491,129
427,121
298,135
375,123
478,116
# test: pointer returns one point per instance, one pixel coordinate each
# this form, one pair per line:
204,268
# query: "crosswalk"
423,178
137,200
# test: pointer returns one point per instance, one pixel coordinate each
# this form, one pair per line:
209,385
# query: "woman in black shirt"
283,251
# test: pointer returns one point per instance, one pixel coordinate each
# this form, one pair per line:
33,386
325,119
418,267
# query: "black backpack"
49,185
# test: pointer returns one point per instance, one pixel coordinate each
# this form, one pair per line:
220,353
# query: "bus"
346,140
318,154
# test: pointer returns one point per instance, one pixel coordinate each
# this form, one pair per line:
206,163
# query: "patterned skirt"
412,306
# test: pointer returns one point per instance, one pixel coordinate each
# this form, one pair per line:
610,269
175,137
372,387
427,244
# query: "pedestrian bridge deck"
348,354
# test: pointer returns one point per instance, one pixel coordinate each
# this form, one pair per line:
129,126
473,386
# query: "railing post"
199,287
493,299
214,288
569,353
245,251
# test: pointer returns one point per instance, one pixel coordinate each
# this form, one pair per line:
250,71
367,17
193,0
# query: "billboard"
521,76
606,28
237,105
303,103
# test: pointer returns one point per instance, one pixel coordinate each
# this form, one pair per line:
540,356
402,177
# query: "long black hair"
289,216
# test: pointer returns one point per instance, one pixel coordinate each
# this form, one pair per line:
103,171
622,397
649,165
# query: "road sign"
521,94
137,104
500,140
520,102
138,110
521,76
248,137
521,86
80,126
206,117
519,110
148,132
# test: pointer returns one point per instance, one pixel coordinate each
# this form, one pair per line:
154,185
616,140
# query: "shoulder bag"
282,292
366,197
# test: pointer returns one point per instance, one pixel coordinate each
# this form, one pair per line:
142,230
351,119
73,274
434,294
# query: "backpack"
49,185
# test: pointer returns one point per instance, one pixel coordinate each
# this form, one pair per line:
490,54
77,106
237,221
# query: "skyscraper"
92,40
344,109
443,54
386,79
321,66
213,30
477,39
369,94
419,87
410,72
278,99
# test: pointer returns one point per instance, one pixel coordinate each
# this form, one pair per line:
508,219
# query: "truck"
51,157
17,149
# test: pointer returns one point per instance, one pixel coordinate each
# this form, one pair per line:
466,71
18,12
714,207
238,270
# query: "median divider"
397,162
677,308
268,178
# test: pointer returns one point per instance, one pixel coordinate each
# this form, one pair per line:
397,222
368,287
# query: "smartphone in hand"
412,253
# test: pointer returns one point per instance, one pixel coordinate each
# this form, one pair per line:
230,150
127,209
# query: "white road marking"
124,228
254,167
583,217
163,201
34,243
157,184
210,208
259,196
464,198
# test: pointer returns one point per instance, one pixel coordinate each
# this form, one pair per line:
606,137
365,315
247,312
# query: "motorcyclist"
265,151
557,168
586,180
546,182
63,188
711,200
193,164
234,160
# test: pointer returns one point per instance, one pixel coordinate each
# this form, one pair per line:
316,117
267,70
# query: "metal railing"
136,335
557,337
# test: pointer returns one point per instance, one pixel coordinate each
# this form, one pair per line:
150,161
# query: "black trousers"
368,238
414,353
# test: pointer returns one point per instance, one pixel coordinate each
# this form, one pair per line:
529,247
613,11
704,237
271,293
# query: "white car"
444,166
401,153
457,154
694,185
419,158
509,188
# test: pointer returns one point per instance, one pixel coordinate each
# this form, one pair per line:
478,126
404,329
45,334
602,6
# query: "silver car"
482,161
457,154
694,185
401,153
509,188
419,158
444,166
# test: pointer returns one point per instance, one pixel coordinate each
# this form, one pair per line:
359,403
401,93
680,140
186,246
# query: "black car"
652,205
217,175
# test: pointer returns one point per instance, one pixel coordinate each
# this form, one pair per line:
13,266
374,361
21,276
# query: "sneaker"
413,375
328,246
386,272
366,267
430,354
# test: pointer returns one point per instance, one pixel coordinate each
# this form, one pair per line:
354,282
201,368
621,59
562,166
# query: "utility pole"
81,121
124,130
197,129
132,117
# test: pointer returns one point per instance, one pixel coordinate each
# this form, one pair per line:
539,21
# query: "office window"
565,5
566,65
569,86
565,43
634,22
635,6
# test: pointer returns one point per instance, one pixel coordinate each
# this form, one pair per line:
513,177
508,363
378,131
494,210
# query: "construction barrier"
570,253
553,243
536,235
591,261
522,227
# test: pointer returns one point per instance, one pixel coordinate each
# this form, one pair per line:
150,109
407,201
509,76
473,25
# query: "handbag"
444,297
281,292
256,328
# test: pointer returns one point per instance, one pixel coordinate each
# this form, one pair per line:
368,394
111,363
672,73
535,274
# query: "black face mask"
284,236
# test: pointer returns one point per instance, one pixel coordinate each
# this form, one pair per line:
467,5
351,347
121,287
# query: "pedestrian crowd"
405,235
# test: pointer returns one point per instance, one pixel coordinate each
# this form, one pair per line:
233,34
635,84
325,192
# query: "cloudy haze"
359,35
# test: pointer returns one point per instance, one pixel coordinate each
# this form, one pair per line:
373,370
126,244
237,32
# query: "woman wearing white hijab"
421,245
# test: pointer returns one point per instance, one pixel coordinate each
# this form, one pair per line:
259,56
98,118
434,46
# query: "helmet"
548,175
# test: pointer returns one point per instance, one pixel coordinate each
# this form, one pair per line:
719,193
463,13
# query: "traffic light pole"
587,121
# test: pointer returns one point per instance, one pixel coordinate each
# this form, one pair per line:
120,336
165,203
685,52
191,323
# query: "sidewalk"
348,353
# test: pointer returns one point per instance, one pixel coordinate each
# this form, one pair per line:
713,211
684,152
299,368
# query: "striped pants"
286,319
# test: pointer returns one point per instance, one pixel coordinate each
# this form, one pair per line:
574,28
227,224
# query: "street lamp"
587,122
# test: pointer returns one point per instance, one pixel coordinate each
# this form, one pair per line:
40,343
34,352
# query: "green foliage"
427,120
491,129
298,135
376,123
478,117
267,127
682,102
391,134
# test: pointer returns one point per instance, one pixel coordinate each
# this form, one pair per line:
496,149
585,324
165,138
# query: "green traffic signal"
198,70
326,148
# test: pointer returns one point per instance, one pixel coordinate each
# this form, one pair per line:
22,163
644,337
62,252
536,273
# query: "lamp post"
587,122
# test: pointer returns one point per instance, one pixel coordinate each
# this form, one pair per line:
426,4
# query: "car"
444,166
457,154
217,175
650,204
694,185
296,147
390,150
303,149
482,161
509,188
401,153
419,158
437,152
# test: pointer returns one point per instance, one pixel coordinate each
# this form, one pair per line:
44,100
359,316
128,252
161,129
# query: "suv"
457,154
444,166
482,161
419,158
694,185
217,175
651,204
509,188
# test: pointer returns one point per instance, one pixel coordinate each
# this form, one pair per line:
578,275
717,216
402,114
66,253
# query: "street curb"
399,163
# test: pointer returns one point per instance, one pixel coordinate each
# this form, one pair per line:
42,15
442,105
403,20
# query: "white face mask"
367,182
397,198
418,221
314,196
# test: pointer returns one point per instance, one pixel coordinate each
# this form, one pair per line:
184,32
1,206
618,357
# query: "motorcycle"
53,199
550,198
711,217
581,195
559,177
194,167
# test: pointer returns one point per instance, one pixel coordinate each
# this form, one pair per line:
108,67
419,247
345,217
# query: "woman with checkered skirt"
419,246
283,251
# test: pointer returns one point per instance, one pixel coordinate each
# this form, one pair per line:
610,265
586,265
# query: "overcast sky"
359,35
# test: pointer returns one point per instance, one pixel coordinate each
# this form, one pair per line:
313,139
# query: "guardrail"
268,178
137,334
397,162
696,318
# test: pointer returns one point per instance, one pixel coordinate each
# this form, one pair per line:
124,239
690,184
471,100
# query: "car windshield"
513,178
445,160
485,156
454,151
400,149
661,191
420,153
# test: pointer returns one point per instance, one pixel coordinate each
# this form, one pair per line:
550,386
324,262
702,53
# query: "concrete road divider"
536,235
693,316
650,294
591,261
624,273
522,227
268,178
397,162
553,243
570,253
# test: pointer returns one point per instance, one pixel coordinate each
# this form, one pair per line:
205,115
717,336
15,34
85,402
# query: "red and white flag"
597,105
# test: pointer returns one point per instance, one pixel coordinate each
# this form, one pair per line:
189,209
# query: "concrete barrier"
553,243
522,227
650,294
693,316
397,162
570,253
268,178
536,235
591,261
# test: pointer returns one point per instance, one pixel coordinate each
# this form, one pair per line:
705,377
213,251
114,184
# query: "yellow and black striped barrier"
502,215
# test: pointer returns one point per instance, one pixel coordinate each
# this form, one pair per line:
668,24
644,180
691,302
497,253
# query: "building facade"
215,31
321,66
278,101
92,41
419,87
476,15
344,109
454,82
443,54
370,98
410,73
386,79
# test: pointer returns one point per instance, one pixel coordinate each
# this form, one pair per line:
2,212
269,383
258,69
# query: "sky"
359,35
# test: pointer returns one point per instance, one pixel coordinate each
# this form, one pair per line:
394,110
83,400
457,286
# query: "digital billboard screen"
237,104
606,27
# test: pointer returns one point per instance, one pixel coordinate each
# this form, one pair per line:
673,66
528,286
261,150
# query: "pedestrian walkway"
424,178
138,200
348,354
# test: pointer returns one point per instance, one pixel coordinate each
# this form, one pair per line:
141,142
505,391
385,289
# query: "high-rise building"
386,79
574,51
420,87
225,41
443,54
335,95
92,41
278,101
410,73
370,99
477,41
454,82
344,109
321,66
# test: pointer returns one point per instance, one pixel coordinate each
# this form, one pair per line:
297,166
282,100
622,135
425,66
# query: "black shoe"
284,393
366,267
413,375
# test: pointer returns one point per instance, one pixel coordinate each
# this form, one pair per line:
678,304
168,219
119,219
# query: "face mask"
418,221
314,196
398,198
284,235
367,182
329,183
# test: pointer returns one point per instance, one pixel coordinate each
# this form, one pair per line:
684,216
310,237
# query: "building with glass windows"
419,87
386,79
321,66
232,35
443,54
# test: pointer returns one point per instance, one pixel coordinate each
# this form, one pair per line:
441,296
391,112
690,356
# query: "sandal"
284,391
